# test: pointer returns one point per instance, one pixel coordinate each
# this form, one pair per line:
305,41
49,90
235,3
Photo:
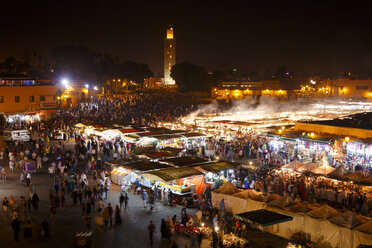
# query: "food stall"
205,231
178,180
359,153
128,171
309,146
130,138
231,240
216,171
191,140
168,140
111,134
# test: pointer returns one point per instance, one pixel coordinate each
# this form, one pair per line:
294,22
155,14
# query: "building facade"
27,99
228,91
169,56
344,89
74,93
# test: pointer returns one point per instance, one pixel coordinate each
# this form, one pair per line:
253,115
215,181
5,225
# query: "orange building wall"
9,93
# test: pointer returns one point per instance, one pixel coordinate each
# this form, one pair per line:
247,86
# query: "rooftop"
362,121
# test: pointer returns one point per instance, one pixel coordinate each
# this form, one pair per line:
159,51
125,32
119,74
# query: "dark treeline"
77,63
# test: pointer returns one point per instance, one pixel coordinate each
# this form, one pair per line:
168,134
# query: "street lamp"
65,83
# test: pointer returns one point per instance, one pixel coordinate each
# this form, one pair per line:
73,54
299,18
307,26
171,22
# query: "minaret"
169,56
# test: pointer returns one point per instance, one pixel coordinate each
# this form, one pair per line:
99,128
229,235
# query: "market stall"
128,171
191,140
363,234
307,167
360,152
168,140
232,240
324,169
178,180
217,171
348,219
263,217
324,212
338,173
234,201
294,165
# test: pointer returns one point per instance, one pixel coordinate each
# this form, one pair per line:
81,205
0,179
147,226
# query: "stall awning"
156,155
168,175
129,130
173,131
297,135
184,161
217,167
263,217
194,135
167,137
173,150
142,166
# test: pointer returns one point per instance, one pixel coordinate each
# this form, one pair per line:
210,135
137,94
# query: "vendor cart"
83,240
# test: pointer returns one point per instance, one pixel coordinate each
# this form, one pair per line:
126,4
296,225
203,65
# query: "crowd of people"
144,108
301,188
82,176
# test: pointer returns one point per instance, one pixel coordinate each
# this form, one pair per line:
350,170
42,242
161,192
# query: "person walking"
121,199
28,179
45,228
35,201
163,229
169,228
151,229
63,199
38,162
11,166
126,198
144,198
53,211
117,216
105,216
28,230
110,211
16,225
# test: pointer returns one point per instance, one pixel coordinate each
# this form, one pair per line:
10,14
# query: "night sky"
248,35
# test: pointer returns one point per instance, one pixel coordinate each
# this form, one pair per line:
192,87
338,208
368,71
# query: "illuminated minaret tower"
169,56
